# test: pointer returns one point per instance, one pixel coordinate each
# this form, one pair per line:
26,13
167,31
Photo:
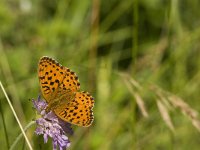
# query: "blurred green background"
139,59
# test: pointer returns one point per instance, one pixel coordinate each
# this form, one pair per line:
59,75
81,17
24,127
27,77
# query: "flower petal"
51,126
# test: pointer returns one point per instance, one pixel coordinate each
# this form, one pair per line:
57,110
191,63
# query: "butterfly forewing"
82,98
50,74
53,75
70,81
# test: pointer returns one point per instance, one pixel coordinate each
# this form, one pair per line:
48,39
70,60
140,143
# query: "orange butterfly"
60,88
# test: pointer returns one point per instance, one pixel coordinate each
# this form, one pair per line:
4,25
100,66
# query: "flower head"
49,125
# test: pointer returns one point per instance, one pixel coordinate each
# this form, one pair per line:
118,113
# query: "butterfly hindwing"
78,111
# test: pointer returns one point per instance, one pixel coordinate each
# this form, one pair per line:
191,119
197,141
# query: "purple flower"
51,126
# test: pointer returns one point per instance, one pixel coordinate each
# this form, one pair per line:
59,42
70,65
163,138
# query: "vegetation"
139,59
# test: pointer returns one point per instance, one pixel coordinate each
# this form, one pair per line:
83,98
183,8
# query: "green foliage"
120,50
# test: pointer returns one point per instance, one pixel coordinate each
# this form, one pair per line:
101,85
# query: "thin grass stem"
10,104
20,135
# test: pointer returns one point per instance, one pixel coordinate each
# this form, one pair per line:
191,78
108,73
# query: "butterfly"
61,90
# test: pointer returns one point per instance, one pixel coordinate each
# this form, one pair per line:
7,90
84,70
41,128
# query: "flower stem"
20,135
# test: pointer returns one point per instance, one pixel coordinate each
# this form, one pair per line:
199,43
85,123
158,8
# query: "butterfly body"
59,99
61,90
